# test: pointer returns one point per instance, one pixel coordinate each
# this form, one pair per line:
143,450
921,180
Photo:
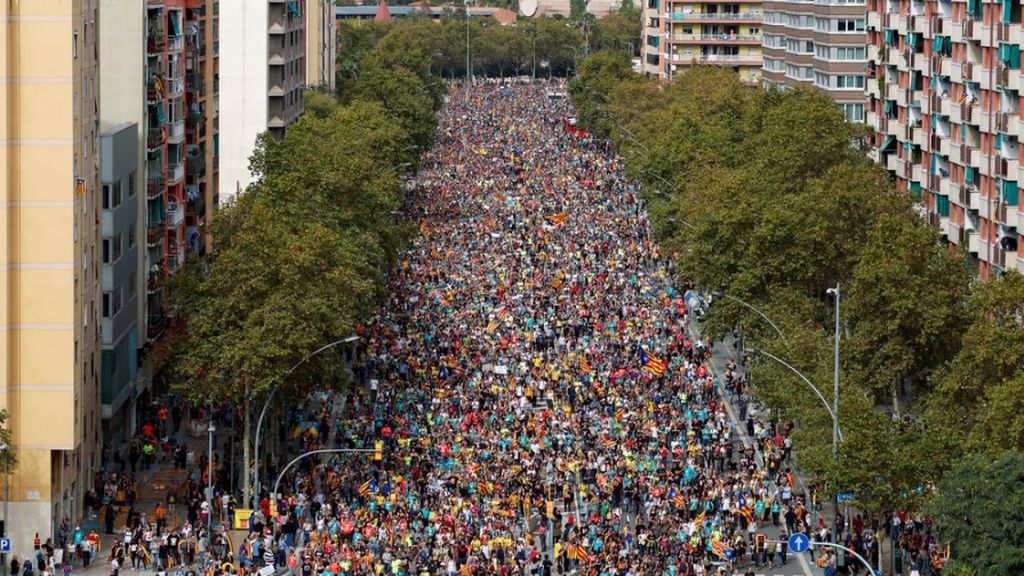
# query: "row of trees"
760,193
542,47
302,253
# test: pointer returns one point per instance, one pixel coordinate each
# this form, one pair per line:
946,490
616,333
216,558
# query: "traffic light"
378,450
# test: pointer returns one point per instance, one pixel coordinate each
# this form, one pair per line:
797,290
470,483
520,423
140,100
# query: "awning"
969,175
942,205
935,80
1010,193
890,38
974,7
1007,11
1009,54
912,39
889,141
937,44
175,31
888,106
999,141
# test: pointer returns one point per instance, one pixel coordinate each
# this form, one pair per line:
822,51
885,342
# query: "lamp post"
7,496
270,398
759,313
209,483
837,435
835,408
277,483
682,222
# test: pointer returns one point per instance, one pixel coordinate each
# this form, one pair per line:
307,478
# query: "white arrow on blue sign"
5,545
799,542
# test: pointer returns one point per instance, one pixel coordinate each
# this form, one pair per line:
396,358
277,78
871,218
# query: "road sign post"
5,545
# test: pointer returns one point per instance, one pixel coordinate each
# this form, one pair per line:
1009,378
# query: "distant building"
502,15
677,34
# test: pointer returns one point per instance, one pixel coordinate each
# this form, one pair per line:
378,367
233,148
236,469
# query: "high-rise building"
943,98
202,136
678,34
321,43
818,44
49,259
264,74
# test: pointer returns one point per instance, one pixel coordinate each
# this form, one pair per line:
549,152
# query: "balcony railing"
716,37
716,16
154,137
175,87
175,214
195,167
155,186
175,172
175,43
176,130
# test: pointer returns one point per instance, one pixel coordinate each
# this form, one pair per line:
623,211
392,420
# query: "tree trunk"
896,401
246,456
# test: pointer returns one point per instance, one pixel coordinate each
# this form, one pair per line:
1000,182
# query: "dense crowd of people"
542,404
543,401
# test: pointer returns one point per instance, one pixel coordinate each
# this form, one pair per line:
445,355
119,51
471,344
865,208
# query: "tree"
906,304
8,457
598,75
978,510
619,31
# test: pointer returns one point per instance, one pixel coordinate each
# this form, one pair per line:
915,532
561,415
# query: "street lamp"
717,293
683,222
575,56
209,483
4,448
277,483
837,433
834,292
270,398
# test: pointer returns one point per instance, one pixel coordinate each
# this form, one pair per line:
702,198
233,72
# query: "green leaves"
598,76
302,254
979,510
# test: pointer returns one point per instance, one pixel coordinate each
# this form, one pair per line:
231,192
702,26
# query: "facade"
119,278
818,44
943,98
678,34
321,44
49,259
263,78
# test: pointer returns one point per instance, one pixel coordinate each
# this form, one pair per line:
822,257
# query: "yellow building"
49,266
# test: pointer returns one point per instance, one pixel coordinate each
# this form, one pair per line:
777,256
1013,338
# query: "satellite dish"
528,7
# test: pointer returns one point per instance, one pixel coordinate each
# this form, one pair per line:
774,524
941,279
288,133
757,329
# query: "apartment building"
321,43
49,259
678,34
819,44
943,97
264,74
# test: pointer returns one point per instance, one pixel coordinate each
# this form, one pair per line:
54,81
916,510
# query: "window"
852,112
74,45
848,82
111,196
850,25
111,249
131,235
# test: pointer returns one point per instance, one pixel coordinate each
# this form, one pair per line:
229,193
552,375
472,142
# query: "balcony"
717,16
155,186
973,243
175,214
175,172
716,38
175,258
176,130
175,87
175,43
195,167
155,42
155,137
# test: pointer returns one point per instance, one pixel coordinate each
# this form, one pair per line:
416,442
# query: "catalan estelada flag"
555,283
700,518
608,443
652,363
584,366
502,313
557,219
675,497
747,513
492,326
364,488
721,549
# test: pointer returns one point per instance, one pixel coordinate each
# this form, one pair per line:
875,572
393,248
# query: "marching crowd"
542,403
542,399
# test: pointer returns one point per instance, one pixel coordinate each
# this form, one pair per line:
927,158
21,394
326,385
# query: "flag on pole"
720,548
557,219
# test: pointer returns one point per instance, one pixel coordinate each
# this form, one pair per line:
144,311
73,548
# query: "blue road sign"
799,542
5,545
846,496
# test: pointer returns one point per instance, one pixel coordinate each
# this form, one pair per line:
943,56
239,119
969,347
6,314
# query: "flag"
557,219
502,313
608,443
492,326
364,489
652,363
963,97
700,518
619,413
584,366
675,497
719,548
555,283
747,513
579,553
